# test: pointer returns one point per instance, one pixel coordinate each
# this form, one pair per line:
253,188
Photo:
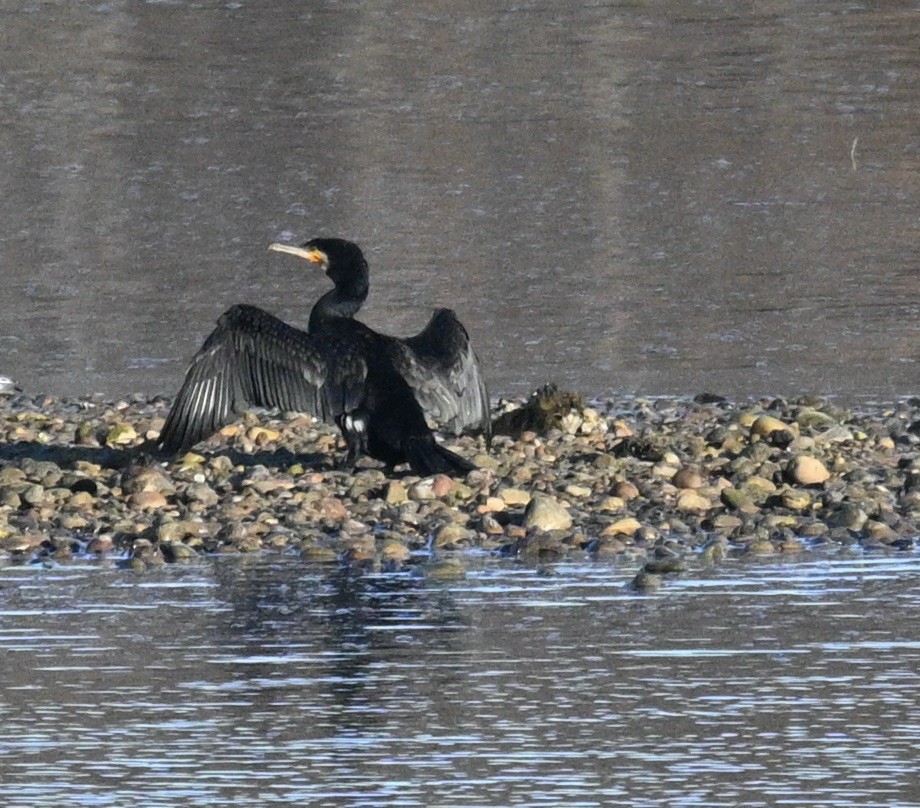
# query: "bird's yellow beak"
312,255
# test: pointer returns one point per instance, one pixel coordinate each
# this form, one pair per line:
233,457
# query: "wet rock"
271,485
545,513
100,545
121,435
145,556
318,554
795,499
612,504
880,533
688,477
442,485
809,418
727,524
143,479
10,499
83,485
202,494
514,497
646,582
715,550
396,493
491,505
578,491
848,515
662,469
177,552
836,434
33,496
448,569
148,500
690,501
627,526
423,490
332,508
451,536
759,487
739,500
807,470
764,425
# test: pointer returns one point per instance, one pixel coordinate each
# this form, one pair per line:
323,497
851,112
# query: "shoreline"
662,482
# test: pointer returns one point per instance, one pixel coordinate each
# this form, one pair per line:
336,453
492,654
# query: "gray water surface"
662,197
268,681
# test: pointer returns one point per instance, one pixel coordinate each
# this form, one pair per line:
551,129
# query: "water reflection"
619,197
269,681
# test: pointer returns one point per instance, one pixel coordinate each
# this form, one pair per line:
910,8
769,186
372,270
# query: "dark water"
265,682
623,197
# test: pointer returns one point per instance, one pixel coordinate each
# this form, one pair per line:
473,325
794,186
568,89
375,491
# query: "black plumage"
377,388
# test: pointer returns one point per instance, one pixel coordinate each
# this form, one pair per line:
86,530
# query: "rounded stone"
795,499
396,493
689,501
202,493
628,526
807,470
394,551
763,425
545,513
514,496
121,435
148,500
451,535
33,495
611,504
136,479
450,569
646,582
688,477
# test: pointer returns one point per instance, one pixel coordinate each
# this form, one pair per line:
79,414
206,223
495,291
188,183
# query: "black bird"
377,388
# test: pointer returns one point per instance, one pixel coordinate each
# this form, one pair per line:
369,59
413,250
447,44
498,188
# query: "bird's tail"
427,456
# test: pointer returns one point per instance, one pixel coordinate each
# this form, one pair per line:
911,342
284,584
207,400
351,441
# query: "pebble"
617,480
795,499
646,582
807,470
688,477
545,513
514,497
627,526
690,501
148,500
121,435
764,425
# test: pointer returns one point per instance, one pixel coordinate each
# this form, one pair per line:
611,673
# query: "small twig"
853,152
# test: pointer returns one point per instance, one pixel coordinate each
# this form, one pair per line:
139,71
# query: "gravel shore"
661,483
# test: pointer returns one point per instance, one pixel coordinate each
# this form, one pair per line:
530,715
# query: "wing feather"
441,367
250,359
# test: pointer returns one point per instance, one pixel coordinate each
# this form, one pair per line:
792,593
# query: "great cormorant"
377,388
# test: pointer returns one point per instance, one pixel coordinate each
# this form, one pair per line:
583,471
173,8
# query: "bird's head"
341,260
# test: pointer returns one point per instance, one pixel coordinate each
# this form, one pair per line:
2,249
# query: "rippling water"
664,197
267,681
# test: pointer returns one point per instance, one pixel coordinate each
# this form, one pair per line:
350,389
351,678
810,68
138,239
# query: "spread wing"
441,367
254,359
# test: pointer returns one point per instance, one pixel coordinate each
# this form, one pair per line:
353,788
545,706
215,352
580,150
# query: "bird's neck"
341,302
